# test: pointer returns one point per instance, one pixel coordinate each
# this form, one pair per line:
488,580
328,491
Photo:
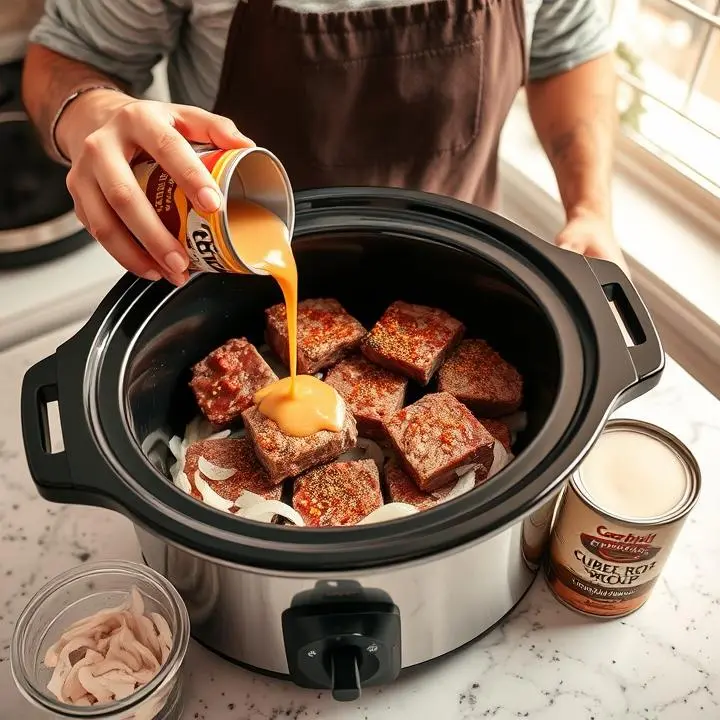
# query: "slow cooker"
342,608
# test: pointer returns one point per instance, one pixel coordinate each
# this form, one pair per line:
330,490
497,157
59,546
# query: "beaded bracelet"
59,154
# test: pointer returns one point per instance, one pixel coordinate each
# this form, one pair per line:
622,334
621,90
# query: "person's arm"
80,43
49,78
571,97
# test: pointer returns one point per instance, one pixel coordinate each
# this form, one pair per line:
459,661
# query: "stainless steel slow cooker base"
444,602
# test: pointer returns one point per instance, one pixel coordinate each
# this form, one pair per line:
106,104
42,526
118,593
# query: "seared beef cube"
225,382
477,376
402,488
340,493
372,393
229,454
326,333
437,435
412,340
284,456
499,430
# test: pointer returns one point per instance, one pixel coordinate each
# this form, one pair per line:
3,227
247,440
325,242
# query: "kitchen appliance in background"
37,220
347,607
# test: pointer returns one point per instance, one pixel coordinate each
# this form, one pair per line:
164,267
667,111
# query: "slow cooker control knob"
345,673
342,638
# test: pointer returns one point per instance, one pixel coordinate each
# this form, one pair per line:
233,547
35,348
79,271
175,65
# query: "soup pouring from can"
250,233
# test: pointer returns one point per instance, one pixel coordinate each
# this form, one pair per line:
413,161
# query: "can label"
601,566
199,232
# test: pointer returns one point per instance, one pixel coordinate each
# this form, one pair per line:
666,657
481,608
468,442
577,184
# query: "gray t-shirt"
126,38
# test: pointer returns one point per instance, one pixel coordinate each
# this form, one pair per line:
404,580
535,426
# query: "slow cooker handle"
39,389
646,353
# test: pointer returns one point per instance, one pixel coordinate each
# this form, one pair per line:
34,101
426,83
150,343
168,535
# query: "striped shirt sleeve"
568,33
123,38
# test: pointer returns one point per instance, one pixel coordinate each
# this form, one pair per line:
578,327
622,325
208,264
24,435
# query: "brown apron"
412,96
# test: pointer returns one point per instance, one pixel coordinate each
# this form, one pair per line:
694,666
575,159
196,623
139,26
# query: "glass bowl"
79,593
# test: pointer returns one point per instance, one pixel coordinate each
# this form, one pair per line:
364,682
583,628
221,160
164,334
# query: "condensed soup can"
252,174
619,518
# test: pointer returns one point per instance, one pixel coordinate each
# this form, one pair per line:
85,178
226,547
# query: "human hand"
101,132
592,235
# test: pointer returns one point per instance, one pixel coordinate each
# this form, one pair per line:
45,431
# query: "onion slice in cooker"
209,496
256,507
364,450
501,458
390,511
214,472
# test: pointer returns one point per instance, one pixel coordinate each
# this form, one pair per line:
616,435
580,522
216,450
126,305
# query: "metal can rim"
227,174
683,453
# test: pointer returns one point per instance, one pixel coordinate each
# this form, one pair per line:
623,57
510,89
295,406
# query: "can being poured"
619,518
252,174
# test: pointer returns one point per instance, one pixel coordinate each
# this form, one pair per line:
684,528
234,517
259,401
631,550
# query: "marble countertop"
544,663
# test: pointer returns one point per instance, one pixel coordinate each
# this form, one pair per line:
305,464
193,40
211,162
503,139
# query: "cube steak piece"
225,382
372,393
499,430
340,493
477,376
326,334
284,456
402,488
437,435
412,340
230,453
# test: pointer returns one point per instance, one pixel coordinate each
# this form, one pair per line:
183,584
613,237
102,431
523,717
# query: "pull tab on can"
252,174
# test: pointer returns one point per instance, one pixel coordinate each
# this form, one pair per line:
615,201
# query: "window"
669,66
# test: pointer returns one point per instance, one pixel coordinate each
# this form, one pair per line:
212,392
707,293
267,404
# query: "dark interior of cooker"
365,272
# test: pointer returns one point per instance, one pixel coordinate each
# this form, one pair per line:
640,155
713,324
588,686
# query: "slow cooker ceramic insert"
347,607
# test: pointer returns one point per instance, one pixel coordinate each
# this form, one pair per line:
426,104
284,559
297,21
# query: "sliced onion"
365,450
176,447
219,435
256,507
209,496
501,457
152,440
266,510
182,481
465,483
391,511
213,472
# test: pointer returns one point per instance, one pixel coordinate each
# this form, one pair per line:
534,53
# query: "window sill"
675,262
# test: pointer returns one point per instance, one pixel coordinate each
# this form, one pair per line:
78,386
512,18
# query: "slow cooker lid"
593,363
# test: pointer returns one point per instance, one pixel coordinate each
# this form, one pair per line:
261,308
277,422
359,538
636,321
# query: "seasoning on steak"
437,435
402,488
372,393
341,493
412,340
225,382
499,430
477,376
230,453
326,333
284,456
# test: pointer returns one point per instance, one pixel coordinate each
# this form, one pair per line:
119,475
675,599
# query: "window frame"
675,181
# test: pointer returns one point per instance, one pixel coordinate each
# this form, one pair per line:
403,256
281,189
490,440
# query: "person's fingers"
202,126
126,198
151,128
105,226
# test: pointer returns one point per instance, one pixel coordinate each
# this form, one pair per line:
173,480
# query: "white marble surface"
544,663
